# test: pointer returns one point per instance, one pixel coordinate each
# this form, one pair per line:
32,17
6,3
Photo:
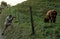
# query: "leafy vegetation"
22,24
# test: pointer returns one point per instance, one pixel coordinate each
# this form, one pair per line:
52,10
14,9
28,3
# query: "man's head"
10,15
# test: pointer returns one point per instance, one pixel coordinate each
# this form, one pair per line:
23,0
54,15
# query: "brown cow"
51,15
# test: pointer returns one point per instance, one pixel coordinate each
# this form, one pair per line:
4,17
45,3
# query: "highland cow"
50,16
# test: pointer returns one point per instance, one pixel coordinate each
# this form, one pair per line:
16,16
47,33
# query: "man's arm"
12,18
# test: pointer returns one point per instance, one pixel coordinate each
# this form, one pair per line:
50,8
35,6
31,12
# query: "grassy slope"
23,30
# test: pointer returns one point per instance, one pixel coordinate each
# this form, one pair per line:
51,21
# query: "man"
8,22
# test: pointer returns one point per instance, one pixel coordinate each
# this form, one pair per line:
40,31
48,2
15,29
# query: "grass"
23,30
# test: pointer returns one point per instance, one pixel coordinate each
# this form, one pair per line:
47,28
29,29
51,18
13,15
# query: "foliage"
3,4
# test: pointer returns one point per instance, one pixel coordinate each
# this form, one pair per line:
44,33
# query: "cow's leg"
51,19
54,20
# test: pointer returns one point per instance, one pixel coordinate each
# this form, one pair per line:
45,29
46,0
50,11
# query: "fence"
28,20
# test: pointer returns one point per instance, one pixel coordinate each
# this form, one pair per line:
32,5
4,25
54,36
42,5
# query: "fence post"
32,23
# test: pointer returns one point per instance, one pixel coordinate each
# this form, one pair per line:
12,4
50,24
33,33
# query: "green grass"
23,30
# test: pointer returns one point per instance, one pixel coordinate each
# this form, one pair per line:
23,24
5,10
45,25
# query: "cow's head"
46,20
